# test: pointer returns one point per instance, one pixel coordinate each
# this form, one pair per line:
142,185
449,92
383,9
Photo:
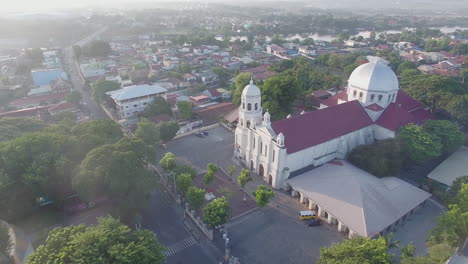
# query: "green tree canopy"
209,177
107,242
168,130
243,179
421,146
356,250
184,182
148,132
168,162
231,169
263,195
95,133
216,212
97,48
24,125
447,133
185,109
458,108
180,169
158,106
382,158
195,197
279,92
101,87
241,80
119,172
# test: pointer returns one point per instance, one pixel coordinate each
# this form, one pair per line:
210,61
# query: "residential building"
132,100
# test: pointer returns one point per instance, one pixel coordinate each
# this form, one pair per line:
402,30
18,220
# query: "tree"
74,97
185,109
464,75
95,133
212,167
231,169
458,108
263,195
97,48
222,74
421,146
243,179
381,158
406,66
184,181
148,132
107,242
208,178
195,197
158,106
216,212
279,92
446,132
408,251
168,162
180,169
356,250
241,80
276,39
168,130
5,242
101,87
437,254
452,192
119,172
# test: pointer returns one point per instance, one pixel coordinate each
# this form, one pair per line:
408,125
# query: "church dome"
374,77
251,90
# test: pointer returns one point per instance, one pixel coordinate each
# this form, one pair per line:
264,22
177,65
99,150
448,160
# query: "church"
371,108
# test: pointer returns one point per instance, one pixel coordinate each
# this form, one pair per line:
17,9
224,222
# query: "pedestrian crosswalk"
179,246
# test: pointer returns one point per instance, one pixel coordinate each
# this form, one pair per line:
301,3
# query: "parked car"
313,222
204,133
304,215
199,134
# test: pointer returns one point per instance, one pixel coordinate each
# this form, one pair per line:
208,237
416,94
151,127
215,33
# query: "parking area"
217,147
271,236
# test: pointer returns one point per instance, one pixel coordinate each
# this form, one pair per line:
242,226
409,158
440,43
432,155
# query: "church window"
273,156
380,98
389,97
354,94
360,95
372,97
266,150
249,106
256,106
248,123
261,147
243,105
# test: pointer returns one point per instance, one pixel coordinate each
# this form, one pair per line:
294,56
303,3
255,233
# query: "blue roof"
45,76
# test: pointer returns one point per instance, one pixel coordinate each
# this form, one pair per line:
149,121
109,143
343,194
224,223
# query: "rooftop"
135,91
367,205
452,168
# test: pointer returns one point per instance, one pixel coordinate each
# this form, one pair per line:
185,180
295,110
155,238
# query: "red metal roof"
214,92
407,102
313,128
343,95
374,107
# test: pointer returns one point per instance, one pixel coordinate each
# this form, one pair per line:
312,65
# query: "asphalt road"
165,219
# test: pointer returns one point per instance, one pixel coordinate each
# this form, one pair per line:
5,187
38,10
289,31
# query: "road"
184,246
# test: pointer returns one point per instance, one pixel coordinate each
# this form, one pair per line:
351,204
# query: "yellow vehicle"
304,215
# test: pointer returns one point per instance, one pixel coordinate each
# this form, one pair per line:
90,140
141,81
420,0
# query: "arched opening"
380,98
251,165
360,95
346,231
270,180
248,123
372,97
256,106
249,106
354,94
260,170
325,214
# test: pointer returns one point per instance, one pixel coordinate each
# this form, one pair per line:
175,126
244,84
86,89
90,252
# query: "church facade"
372,107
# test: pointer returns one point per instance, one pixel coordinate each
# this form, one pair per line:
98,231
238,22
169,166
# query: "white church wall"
327,151
381,133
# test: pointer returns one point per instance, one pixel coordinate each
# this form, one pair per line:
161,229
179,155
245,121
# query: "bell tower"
250,110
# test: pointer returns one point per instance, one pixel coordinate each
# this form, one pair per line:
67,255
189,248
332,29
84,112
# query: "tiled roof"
316,127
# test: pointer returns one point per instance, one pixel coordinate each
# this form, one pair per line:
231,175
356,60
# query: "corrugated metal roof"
135,91
452,168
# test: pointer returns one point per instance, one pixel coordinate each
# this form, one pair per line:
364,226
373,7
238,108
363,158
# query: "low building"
357,202
199,99
132,100
213,113
42,77
92,71
213,94
451,168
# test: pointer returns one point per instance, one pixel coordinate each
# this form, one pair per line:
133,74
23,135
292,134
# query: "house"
307,50
260,73
207,77
276,50
225,94
213,94
200,99
92,71
132,100
189,77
